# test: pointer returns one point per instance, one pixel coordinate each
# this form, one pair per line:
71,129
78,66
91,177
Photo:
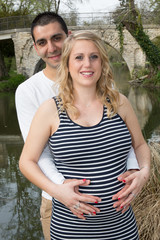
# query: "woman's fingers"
84,197
78,202
82,210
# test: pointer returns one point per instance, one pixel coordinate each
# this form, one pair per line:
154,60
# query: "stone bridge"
28,62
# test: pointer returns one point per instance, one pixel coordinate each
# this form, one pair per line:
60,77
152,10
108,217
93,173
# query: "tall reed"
147,204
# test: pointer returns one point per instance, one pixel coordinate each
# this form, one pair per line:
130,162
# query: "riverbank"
147,77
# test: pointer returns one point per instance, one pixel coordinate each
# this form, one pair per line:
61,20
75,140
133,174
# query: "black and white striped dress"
97,153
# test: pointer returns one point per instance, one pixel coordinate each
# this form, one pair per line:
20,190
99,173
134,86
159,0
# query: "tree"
155,5
131,20
25,7
3,70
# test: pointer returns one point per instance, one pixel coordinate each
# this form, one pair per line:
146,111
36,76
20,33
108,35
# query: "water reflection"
146,105
141,104
19,199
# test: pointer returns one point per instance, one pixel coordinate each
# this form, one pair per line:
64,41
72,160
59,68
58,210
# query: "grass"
147,204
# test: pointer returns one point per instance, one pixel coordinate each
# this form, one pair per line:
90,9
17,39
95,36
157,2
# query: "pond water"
19,199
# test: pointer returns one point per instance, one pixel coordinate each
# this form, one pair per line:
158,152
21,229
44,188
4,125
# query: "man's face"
48,43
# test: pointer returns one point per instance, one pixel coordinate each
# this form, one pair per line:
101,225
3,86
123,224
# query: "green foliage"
26,7
131,19
12,83
139,72
119,27
151,50
157,78
16,7
156,41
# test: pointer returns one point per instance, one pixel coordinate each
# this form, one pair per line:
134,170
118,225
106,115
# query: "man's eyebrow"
53,36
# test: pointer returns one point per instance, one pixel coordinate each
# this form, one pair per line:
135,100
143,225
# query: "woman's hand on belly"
78,203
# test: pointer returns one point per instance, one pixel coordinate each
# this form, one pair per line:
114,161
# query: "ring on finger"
134,195
76,206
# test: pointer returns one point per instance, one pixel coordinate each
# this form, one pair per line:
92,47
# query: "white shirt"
29,96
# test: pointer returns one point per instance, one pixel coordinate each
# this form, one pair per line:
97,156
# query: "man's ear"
35,47
69,32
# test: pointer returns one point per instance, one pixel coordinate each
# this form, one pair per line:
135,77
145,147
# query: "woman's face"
84,64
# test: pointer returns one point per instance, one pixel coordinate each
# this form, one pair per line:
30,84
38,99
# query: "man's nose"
51,46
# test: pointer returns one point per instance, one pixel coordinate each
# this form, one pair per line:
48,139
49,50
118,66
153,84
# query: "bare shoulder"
46,116
124,107
48,106
47,112
123,99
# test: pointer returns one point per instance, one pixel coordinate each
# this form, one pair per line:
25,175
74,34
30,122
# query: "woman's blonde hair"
105,90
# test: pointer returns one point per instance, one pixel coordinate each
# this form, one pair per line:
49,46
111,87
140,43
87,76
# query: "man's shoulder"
29,86
32,81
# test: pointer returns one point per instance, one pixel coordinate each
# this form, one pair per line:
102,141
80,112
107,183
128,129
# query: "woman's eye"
93,57
79,57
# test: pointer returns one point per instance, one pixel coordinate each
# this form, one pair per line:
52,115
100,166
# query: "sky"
97,5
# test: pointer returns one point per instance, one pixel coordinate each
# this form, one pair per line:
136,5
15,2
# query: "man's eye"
79,57
42,43
57,39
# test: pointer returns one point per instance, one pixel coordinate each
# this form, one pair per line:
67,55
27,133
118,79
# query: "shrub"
12,83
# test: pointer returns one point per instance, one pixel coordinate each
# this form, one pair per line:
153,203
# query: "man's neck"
50,73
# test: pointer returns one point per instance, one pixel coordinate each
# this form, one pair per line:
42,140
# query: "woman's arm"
135,181
27,101
139,144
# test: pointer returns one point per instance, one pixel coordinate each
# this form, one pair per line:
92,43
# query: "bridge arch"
27,59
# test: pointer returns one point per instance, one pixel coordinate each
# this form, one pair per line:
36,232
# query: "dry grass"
147,204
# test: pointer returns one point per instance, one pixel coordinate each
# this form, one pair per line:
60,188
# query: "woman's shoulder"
123,99
124,106
48,107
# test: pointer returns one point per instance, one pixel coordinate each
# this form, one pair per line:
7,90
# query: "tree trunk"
3,70
133,24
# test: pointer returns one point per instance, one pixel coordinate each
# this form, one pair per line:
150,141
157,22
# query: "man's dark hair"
45,18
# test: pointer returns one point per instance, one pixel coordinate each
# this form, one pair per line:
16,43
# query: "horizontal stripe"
98,153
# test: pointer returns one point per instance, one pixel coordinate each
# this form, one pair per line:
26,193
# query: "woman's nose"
87,62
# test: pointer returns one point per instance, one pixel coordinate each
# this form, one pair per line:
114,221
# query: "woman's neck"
85,97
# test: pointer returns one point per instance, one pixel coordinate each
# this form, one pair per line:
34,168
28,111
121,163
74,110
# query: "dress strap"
57,101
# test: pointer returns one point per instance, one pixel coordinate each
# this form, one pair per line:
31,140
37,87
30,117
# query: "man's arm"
51,171
132,162
26,106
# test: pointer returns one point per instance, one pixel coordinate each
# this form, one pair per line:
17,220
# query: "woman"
90,127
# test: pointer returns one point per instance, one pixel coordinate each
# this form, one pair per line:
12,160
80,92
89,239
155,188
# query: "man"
48,32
